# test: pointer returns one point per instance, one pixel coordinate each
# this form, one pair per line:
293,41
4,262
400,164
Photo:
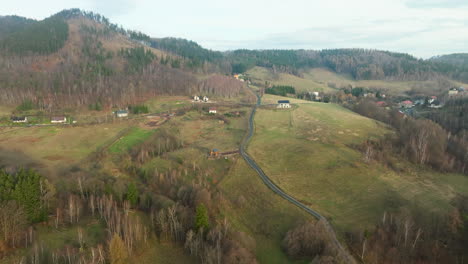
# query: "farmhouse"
19,119
212,110
283,104
196,98
453,91
214,153
58,119
205,99
406,104
121,113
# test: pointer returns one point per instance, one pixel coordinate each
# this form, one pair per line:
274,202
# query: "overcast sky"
423,28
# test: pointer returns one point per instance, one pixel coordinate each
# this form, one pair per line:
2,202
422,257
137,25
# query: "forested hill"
187,49
361,64
76,58
459,59
458,63
79,58
11,24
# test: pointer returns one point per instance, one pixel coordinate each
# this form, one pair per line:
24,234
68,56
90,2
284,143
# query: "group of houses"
53,120
203,99
431,102
239,77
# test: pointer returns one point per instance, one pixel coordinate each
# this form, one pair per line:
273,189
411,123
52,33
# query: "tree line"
422,141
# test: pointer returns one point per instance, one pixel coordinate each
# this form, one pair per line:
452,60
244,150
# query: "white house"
196,98
453,92
58,119
121,113
19,119
283,104
212,110
205,99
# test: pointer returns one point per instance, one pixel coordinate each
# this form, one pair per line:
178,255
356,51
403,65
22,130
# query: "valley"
117,147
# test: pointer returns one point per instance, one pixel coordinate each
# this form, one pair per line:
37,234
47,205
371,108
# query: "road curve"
269,183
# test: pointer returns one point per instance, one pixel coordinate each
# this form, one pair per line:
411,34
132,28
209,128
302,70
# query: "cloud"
419,37
436,3
114,7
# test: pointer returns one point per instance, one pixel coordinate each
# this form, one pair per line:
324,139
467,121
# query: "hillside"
77,59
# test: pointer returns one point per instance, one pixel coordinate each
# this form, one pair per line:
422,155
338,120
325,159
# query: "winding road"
269,183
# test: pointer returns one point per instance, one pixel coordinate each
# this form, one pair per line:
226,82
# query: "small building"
214,153
212,110
205,99
19,119
435,104
284,104
406,104
58,119
236,76
196,98
453,91
121,113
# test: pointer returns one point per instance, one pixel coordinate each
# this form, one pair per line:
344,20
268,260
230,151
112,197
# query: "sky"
423,28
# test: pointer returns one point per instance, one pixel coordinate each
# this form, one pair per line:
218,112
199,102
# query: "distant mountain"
78,58
458,59
456,63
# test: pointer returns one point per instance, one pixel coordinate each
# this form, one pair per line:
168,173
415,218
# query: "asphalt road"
269,183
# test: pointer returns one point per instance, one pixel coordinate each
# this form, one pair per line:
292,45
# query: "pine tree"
201,218
132,194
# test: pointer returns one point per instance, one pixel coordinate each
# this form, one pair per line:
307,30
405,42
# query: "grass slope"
319,79
308,152
254,209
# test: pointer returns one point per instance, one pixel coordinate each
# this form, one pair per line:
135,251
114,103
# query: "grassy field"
134,137
308,152
255,210
53,148
260,75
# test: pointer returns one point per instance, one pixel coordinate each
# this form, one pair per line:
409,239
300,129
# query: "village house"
432,99
435,104
19,119
205,99
214,153
212,110
453,91
121,113
196,98
406,104
283,104
58,119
